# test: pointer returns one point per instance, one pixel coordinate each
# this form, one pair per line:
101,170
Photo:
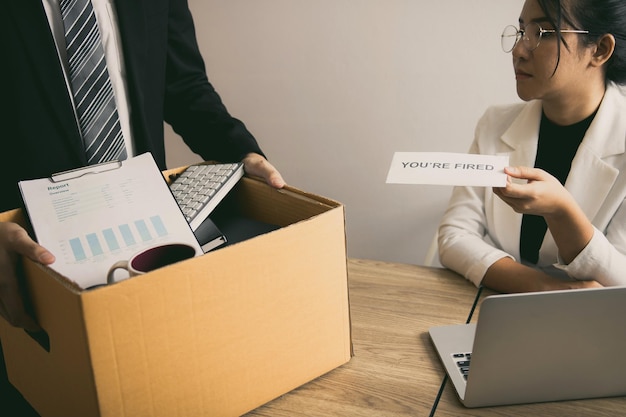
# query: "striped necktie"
89,79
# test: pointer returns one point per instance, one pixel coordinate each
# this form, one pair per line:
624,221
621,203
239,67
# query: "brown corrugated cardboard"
217,335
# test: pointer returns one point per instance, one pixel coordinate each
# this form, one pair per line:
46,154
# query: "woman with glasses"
560,222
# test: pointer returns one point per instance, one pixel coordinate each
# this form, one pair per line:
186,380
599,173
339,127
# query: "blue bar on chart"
143,230
127,235
77,249
158,225
94,244
110,239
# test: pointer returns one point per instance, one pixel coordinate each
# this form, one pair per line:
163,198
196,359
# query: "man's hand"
255,164
14,241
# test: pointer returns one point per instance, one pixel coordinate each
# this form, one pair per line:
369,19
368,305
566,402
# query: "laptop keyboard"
200,188
462,362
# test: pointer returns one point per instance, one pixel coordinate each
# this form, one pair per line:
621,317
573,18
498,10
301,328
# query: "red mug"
152,258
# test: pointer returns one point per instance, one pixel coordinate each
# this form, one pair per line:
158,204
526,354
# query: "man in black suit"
163,78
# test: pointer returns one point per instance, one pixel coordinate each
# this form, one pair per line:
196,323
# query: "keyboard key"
200,188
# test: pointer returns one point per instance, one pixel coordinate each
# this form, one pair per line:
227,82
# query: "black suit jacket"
166,79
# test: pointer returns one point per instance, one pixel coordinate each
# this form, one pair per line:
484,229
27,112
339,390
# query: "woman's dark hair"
599,17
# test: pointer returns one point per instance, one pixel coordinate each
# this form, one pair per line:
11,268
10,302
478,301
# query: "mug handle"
114,267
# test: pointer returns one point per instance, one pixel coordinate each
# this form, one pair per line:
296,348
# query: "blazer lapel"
521,137
595,167
593,172
33,32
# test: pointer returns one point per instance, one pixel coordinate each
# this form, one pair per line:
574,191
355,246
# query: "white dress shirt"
106,16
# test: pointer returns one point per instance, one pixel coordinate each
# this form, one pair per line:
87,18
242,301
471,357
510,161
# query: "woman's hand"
543,195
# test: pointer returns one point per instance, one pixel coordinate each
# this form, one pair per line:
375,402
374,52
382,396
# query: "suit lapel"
33,33
593,172
595,167
521,137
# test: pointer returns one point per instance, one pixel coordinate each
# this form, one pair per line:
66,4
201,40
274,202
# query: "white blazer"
478,228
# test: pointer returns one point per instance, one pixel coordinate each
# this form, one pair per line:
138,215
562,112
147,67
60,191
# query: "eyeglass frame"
521,35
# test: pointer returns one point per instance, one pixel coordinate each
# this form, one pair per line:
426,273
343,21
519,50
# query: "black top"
555,151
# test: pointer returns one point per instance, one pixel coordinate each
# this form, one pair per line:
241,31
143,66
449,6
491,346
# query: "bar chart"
116,238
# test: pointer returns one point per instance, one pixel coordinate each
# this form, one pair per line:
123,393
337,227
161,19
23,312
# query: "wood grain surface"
395,370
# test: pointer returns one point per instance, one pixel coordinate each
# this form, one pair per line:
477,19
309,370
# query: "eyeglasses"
530,36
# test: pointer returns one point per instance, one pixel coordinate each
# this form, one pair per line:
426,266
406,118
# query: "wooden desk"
395,370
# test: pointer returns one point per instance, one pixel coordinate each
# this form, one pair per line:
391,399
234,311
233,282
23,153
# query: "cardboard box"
217,335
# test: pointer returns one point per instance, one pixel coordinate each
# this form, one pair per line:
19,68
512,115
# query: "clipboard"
79,172
92,217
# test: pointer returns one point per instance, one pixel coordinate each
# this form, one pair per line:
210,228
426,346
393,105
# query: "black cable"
471,313
445,377
441,388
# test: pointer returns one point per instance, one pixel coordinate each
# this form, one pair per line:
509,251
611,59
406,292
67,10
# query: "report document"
92,217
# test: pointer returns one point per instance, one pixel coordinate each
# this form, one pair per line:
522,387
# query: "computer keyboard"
463,362
200,188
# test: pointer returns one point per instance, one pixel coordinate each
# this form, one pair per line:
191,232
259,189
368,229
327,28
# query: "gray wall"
332,88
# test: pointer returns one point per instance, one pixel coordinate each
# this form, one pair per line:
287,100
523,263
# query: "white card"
445,168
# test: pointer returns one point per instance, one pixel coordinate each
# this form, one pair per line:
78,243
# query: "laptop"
538,347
